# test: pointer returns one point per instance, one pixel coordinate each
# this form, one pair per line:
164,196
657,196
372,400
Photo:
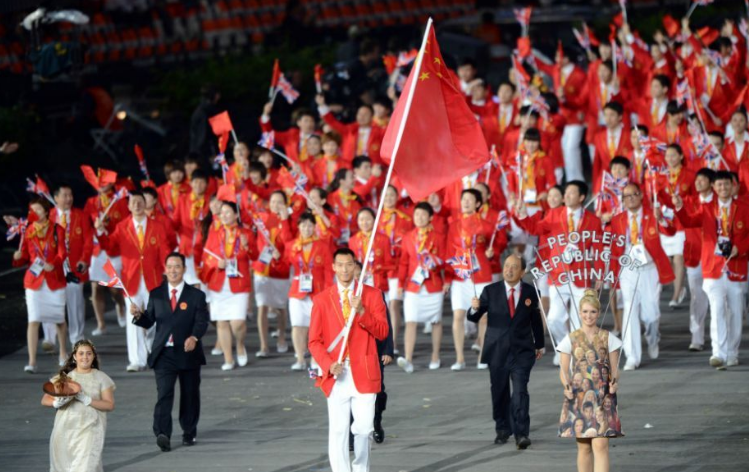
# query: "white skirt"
270,292
45,305
229,306
393,290
300,311
423,307
462,292
673,245
191,274
96,271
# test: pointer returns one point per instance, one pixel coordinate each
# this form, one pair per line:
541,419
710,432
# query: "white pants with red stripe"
641,292
726,312
698,305
343,402
138,344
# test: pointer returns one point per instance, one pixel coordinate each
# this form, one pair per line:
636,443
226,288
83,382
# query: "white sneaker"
458,366
696,347
242,360
134,368
282,348
274,334
475,347
98,332
653,351
122,321
673,304
31,369
405,365
716,361
427,328
299,366
556,359
396,352
262,354
630,365
482,366
732,363
217,351
61,362
227,366
48,346
435,365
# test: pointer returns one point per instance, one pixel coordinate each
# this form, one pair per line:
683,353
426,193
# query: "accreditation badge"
66,267
369,279
639,254
266,256
305,283
36,267
232,269
530,195
419,276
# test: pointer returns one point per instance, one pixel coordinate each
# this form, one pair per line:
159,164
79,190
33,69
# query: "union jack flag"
715,57
267,140
650,144
619,55
503,221
615,185
539,104
38,187
406,57
523,16
582,38
16,229
462,266
221,161
287,90
142,162
684,95
431,261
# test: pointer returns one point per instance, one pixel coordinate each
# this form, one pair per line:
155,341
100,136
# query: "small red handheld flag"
221,123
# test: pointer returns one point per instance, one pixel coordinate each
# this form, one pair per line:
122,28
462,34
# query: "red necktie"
511,301
174,299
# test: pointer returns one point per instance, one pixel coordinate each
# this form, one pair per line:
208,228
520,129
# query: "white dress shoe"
48,346
716,361
98,332
475,347
458,366
262,354
282,348
217,352
227,366
732,362
435,365
134,368
299,366
653,351
696,347
242,360
630,366
122,321
405,365
31,369
482,366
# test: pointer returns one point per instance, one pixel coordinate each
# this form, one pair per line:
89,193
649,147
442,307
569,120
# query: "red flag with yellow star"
441,140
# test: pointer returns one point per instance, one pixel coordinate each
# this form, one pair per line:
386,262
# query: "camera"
71,278
724,248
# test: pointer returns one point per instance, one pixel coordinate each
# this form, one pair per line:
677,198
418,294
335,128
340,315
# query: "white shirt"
616,134
727,205
739,147
638,216
363,138
707,199
567,70
351,287
576,217
506,111
516,293
59,216
178,288
661,105
142,223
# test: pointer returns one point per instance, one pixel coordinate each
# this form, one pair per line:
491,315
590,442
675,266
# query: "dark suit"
384,348
170,363
510,350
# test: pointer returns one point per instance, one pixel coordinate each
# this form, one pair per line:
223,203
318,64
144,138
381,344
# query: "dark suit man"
514,340
181,316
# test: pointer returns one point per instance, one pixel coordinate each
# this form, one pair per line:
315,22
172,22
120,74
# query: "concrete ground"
678,414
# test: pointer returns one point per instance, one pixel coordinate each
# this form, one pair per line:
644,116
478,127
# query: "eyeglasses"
633,195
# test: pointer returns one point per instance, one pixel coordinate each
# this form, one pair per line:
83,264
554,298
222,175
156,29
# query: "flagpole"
396,146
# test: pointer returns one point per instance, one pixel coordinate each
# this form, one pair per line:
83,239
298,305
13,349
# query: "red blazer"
490,215
603,156
574,102
490,123
279,231
186,220
681,137
350,134
168,224
553,128
346,213
394,224
327,321
705,216
683,186
288,139
650,233
320,176
461,235
245,251
79,235
721,99
136,262
50,248
167,200
250,203
644,109
383,260
596,104
96,206
320,263
544,175
552,224
693,242
734,161
370,192
410,260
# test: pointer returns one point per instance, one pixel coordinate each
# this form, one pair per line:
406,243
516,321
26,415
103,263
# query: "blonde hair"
590,297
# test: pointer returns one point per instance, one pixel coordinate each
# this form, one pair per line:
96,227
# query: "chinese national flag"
442,140
221,123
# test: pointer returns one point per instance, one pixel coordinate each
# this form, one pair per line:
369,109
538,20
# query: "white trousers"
641,297
343,402
564,305
76,308
137,337
571,141
726,309
698,305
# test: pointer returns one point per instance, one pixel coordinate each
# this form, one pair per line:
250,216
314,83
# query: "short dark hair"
476,194
643,130
359,161
532,134
527,110
615,107
507,83
663,79
468,62
366,210
150,191
178,255
676,148
259,168
137,193
61,186
282,193
307,216
673,107
231,205
582,187
706,172
621,160
723,175
299,113
344,251
717,134
199,174
424,206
